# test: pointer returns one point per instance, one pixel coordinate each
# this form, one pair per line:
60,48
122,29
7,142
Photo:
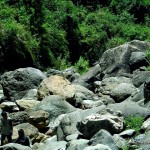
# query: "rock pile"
62,110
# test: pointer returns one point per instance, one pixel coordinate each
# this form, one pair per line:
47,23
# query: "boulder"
130,108
137,60
68,124
56,85
120,142
139,77
98,147
1,93
146,125
72,137
71,74
106,99
145,143
95,122
39,119
14,146
89,77
51,72
52,144
110,83
31,94
147,91
127,133
55,105
19,117
77,144
86,104
16,83
26,104
103,137
115,61
9,106
122,91
81,94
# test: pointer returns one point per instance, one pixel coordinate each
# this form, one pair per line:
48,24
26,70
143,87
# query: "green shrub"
82,65
134,122
115,41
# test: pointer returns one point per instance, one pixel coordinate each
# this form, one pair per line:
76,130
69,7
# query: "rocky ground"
63,110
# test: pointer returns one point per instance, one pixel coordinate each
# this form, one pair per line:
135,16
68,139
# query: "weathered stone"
88,78
103,137
98,147
108,84
95,122
137,60
116,61
68,124
14,146
9,106
139,77
77,144
55,105
120,142
146,125
147,91
39,119
130,108
127,133
56,85
122,91
19,117
26,104
31,94
53,144
16,83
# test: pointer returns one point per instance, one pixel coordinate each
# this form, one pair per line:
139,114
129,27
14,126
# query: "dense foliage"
61,33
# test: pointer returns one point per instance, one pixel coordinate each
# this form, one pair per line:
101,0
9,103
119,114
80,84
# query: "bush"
134,122
82,65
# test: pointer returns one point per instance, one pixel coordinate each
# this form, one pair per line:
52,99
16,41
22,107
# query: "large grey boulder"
19,117
95,122
116,61
146,125
51,72
71,74
79,144
81,94
110,83
120,142
39,118
128,108
9,106
98,147
16,83
137,60
147,91
103,137
24,104
55,105
139,77
89,77
145,143
123,91
69,122
14,146
52,144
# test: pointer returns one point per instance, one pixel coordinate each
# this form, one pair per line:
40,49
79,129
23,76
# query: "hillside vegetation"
62,33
